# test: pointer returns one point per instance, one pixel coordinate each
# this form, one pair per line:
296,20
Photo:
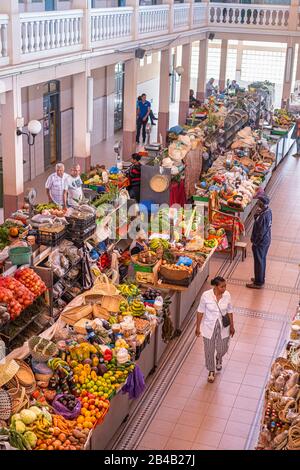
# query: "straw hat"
7,371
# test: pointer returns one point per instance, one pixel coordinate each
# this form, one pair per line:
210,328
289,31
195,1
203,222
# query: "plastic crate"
80,224
78,236
50,238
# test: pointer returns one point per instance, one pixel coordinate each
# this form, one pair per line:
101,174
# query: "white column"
12,150
298,65
288,74
202,67
239,59
86,6
130,95
164,95
223,64
110,100
185,80
171,14
11,7
82,138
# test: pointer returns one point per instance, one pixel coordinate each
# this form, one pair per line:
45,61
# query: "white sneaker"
211,377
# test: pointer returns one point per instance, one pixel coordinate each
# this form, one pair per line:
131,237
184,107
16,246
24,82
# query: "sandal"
211,377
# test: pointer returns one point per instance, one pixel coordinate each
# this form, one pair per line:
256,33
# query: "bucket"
20,255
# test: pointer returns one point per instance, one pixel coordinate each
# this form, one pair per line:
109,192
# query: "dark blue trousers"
260,255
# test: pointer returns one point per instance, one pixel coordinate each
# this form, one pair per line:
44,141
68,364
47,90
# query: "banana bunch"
112,320
57,362
138,308
129,290
157,243
121,343
123,306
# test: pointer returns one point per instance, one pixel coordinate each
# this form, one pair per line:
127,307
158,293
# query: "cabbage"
28,416
15,417
30,439
36,410
47,415
20,427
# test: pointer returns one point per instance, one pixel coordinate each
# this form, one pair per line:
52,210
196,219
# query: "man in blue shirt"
261,241
143,111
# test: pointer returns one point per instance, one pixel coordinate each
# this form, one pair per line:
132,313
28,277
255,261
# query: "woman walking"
215,324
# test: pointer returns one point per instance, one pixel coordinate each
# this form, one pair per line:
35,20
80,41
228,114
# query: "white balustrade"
153,19
3,35
199,14
181,16
51,30
255,16
111,23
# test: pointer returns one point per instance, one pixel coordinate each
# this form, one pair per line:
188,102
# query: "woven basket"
5,405
103,286
26,377
100,312
41,349
75,314
111,303
135,260
173,274
19,399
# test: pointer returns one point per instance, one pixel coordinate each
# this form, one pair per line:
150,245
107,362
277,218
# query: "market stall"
280,419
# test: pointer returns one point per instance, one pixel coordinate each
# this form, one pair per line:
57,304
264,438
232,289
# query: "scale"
153,149
30,198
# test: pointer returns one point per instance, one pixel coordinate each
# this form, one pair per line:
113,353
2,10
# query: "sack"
225,320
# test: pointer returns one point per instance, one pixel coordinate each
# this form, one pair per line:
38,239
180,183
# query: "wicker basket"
5,405
111,303
100,312
19,398
135,260
25,376
75,314
41,349
174,274
103,286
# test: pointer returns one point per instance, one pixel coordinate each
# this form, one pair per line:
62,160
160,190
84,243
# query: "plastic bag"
135,384
62,410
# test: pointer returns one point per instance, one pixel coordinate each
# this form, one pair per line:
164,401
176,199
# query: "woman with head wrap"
261,241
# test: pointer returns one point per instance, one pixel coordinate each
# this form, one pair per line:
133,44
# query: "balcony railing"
181,16
3,38
109,24
153,19
200,11
252,16
50,32
35,36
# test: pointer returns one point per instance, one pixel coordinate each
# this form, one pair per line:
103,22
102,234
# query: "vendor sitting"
193,102
139,243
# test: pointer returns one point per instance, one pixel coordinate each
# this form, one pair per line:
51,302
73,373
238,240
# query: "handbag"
225,318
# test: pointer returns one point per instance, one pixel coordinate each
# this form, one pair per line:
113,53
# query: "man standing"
261,240
134,175
296,135
209,89
57,186
75,193
143,111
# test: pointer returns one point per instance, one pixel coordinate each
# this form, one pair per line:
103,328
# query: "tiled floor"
225,414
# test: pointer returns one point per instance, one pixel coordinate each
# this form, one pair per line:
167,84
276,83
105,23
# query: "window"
213,62
263,65
231,64
142,62
149,59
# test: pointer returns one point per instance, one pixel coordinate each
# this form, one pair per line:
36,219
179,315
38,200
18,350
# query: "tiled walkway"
226,414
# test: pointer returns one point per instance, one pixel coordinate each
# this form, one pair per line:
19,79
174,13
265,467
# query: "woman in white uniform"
215,304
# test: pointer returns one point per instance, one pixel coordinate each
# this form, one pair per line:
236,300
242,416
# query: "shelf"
67,272
6,335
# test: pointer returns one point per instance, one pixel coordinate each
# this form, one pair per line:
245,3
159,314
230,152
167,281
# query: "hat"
7,371
260,192
136,157
264,199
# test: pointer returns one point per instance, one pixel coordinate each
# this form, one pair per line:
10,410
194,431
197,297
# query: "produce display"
282,118
31,280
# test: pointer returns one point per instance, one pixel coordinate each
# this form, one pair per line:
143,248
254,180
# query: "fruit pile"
147,257
62,379
9,305
31,280
93,410
103,383
211,243
137,308
20,293
176,267
159,243
129,290
151,294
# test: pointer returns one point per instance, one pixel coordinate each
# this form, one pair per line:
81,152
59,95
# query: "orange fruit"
80,419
